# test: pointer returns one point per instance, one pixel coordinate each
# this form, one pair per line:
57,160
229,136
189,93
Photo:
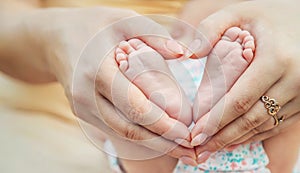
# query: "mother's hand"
97,90
274,72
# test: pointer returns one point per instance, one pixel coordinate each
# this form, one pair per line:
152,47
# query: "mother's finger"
204,155
284,126
152,33
287,111
248,122
113,85
129,131
242,96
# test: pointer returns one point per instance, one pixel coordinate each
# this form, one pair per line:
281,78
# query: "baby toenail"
249,44
121,56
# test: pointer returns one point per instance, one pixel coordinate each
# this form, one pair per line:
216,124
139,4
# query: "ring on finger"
272,109
278,120
271,105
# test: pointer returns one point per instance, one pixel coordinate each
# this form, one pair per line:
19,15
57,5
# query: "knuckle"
257,130
218,126
249,123
242,105
217,144
269,124
132,133
137,114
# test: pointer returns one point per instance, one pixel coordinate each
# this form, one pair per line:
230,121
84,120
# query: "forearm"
21,56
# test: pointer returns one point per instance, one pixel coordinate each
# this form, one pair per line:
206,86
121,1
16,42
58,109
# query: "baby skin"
149,72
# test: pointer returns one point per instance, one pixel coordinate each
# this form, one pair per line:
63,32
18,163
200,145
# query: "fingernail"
188,161
183,142
195,45
231,148
174,47
199,139
203,156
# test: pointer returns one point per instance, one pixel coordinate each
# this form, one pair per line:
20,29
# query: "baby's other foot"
148,70
228,60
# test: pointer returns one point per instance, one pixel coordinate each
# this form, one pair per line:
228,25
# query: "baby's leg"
227,61
283,150
149,72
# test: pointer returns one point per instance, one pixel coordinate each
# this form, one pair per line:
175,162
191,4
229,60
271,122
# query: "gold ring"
281,119
278,120
271,105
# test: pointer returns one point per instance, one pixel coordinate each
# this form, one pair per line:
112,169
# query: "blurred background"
38,131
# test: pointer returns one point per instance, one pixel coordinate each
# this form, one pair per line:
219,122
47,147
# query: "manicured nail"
184,143
231,147
192,49
174,47
188,161
199,139
195,45
203,156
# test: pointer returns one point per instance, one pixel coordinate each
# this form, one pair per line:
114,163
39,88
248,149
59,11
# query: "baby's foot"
227,61
148,70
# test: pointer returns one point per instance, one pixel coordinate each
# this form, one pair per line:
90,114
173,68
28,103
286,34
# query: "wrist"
20,56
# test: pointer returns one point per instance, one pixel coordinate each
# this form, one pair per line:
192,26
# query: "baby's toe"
247,39
126,47
123,65
232,33
242,35
137,44
120,55
248,55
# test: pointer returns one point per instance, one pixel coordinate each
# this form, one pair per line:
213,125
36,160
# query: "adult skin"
41,45
274,72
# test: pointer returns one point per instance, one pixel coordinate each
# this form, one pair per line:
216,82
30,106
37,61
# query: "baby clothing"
250,158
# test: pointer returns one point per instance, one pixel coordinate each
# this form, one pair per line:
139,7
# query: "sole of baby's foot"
225,64
148,70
